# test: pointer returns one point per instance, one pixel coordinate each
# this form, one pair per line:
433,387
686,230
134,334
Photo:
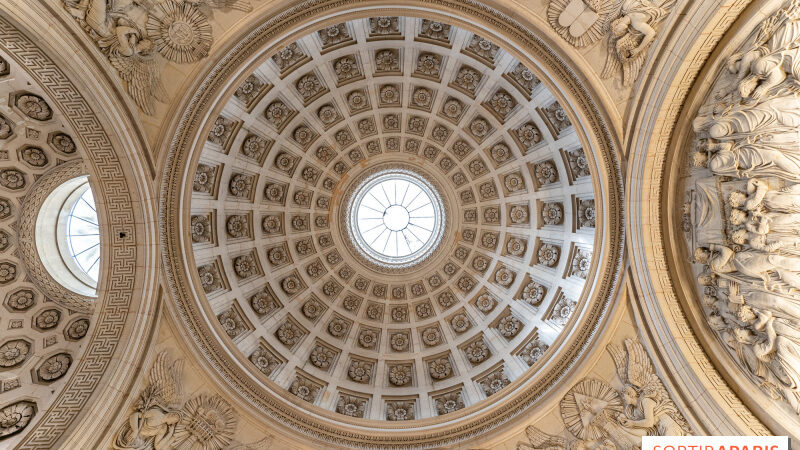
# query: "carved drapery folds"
163,419
743,206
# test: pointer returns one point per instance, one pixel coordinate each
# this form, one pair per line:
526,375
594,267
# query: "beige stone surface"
171,355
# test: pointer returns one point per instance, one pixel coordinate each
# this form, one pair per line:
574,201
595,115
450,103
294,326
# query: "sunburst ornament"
588,407
207,423
179,31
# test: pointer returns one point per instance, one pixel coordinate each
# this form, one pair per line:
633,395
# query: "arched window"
397,217
68,236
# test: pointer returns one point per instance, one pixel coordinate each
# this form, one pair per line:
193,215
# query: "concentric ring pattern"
268,221
395,218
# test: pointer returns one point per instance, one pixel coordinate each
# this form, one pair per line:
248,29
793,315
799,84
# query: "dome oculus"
396,218
411,217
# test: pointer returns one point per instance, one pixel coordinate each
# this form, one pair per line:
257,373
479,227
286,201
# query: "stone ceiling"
277,268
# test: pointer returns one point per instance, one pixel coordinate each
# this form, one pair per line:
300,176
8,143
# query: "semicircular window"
68,236
83,235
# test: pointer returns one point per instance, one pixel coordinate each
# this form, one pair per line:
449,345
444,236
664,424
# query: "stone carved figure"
152,424
752,264
766,345
131,33
746,235
648,407
629,27
772,61
581,22
785,200
161,419
630,36
597,416
762,331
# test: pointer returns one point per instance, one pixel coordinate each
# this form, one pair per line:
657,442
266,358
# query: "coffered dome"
393,218
250,224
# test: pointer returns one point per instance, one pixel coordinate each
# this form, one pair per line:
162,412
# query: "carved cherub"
773,57
152,424
582,22
647,405
785,200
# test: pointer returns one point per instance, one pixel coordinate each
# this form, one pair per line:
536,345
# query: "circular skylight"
397,217
83,235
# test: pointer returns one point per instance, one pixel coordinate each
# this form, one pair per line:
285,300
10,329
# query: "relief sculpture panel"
137,35
628,26
742,210
598,416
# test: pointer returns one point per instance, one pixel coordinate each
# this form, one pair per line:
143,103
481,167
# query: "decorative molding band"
651,142
120,286
26,226
194,119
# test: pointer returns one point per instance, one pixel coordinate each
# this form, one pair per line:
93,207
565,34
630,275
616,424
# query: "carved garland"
173,254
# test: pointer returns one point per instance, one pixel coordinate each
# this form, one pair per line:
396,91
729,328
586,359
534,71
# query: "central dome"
396,218
392,218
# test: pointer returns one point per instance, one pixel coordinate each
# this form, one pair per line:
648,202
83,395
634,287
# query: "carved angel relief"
628,25
744,206
133,33
163,420
597,416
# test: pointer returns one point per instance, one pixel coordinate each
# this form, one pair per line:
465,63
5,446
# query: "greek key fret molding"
596,415
120,282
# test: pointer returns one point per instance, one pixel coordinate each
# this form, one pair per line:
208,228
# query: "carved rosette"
447,306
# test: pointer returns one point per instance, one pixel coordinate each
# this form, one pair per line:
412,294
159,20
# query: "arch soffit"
657,151
119,162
